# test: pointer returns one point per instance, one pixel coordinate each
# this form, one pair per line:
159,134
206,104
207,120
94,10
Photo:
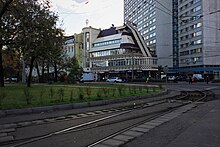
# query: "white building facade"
118,51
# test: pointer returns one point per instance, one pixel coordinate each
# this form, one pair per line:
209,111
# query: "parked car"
171,78
114,79
12,79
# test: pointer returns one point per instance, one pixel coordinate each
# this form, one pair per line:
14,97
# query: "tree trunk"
42,72
1,69
38,72
48,73
55,72
30,73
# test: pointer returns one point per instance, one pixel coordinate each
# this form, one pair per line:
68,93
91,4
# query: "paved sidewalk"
199,127
204,133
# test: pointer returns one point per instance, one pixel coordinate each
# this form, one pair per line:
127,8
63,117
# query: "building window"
107,43
197,8
196,1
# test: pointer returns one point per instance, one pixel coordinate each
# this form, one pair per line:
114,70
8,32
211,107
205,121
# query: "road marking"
211,88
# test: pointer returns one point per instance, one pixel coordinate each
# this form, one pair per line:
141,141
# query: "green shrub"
130,90
61,94
160,86
99,93
28,96
2,97
147,88
113,92
154,89
105,91
140,89
80,94
120,90
134,88
42,91
51,93
88,91
71,95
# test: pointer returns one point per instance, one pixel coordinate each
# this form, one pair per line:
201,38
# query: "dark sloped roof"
108,32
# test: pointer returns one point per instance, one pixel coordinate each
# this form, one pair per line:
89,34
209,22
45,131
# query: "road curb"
4,113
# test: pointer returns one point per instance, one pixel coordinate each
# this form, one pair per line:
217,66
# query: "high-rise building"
185,34
153,19
199,37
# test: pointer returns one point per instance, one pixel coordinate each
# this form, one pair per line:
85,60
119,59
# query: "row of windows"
107,43
124,62
195,34
108,53
150,29
194,51
189,4
187,16
190,19
150,36
138,10
196,42
192,60
151,42
192,27
140,17
146,24
133,4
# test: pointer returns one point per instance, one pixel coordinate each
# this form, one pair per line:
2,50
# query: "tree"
11,62
30,26
75,70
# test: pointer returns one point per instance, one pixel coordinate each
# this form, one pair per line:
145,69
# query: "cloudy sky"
100,13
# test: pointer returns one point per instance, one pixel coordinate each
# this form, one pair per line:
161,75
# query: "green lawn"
19,96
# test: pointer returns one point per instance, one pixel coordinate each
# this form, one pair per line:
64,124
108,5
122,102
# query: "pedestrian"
190,80
207,80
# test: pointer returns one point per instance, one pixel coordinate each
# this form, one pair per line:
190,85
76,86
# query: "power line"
214,12
164,6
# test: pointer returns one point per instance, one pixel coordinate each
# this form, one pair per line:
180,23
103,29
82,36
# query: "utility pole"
132,66
165,69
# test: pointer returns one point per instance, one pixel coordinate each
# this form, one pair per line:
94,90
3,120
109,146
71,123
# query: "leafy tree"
75,70
11,62
29,26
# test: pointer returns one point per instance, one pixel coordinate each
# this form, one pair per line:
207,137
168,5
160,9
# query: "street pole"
165,69
132,60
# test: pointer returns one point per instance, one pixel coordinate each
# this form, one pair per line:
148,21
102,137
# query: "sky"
99,13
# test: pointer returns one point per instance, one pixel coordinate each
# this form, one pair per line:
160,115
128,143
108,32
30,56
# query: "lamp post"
132,66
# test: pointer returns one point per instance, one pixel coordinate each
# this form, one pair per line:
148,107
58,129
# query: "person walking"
190,80
207,79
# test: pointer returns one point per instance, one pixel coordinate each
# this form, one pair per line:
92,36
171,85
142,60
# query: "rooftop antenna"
87,22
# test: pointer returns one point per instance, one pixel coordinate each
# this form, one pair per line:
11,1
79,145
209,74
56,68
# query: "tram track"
113,114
